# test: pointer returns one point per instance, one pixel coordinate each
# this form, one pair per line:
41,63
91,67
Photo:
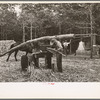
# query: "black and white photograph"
49,49
49,42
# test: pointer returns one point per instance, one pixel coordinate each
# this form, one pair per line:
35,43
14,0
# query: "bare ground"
75,69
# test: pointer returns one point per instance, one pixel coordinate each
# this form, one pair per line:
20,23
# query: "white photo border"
43,90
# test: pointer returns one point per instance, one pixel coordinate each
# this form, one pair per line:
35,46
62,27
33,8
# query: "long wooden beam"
64,36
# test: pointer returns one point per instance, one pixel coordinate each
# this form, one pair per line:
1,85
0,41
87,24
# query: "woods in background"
21,22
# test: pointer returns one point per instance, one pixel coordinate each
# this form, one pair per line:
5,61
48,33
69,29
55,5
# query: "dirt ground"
75,69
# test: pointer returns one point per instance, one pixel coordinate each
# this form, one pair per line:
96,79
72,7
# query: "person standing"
66,44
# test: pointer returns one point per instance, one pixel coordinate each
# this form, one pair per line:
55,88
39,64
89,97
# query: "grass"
75,69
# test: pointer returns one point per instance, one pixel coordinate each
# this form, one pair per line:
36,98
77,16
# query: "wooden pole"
36,61
48,60
59,62
65,36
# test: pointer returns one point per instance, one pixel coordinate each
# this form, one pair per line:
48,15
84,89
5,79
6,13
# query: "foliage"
47,19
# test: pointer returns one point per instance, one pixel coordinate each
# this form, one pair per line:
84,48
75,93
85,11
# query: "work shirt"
56,44
66,44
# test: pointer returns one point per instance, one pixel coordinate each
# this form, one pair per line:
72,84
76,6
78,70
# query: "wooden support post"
24,63
59,62
36,61
48,60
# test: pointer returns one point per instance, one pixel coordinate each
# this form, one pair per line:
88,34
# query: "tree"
36,20
8,21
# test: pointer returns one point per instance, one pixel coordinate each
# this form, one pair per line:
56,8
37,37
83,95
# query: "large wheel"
24,62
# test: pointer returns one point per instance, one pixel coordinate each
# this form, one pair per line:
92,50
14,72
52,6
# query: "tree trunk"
86,28
23,32
91,21
59,28
70,46
35,32
31,32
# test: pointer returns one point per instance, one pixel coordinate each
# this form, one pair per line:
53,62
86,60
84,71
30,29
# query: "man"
66,44
56,44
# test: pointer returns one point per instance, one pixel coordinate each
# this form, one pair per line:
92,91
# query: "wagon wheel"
24,62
